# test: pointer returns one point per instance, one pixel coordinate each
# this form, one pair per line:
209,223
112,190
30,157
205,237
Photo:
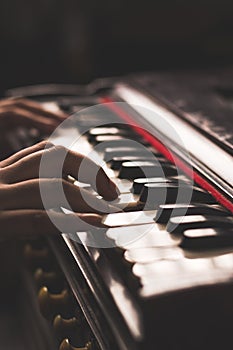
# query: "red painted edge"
154,142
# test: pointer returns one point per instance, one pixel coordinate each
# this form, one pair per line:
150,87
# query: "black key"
116,162
165,211
67,102
84,124
134,170
207,238
158,194
105,141
123,151
106,138
108,133
112,138
138,184
110,130
88,119
161,193
179,224
105,131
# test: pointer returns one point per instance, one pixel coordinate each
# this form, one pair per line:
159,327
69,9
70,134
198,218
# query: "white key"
129,219
141,236
124,236
148,255
126,200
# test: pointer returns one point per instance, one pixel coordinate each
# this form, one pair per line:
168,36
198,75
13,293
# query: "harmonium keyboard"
160,275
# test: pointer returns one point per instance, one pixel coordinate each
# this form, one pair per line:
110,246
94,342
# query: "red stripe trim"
154,142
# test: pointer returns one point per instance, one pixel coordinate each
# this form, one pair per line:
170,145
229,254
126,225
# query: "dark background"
75,41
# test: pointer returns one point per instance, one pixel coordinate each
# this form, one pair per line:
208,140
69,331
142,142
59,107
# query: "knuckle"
46,144
20,102
13,102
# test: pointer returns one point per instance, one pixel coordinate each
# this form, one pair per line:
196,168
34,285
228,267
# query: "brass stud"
53,304
66,327
51,279
65,345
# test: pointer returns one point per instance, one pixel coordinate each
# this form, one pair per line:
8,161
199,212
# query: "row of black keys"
181,206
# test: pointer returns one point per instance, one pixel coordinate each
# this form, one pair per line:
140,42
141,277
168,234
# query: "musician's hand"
21,206
23,112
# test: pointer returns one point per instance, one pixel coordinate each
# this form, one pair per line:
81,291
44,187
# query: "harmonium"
160,274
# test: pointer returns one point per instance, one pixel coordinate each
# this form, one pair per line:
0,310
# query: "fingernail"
93,219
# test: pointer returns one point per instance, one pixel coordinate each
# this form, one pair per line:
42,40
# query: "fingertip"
114,187
114,191
111,191
93,219
106,187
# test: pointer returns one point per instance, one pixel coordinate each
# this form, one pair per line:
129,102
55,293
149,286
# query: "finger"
85,170
35,108
59,161
25,152
51,193
92,219
21,223
22,117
